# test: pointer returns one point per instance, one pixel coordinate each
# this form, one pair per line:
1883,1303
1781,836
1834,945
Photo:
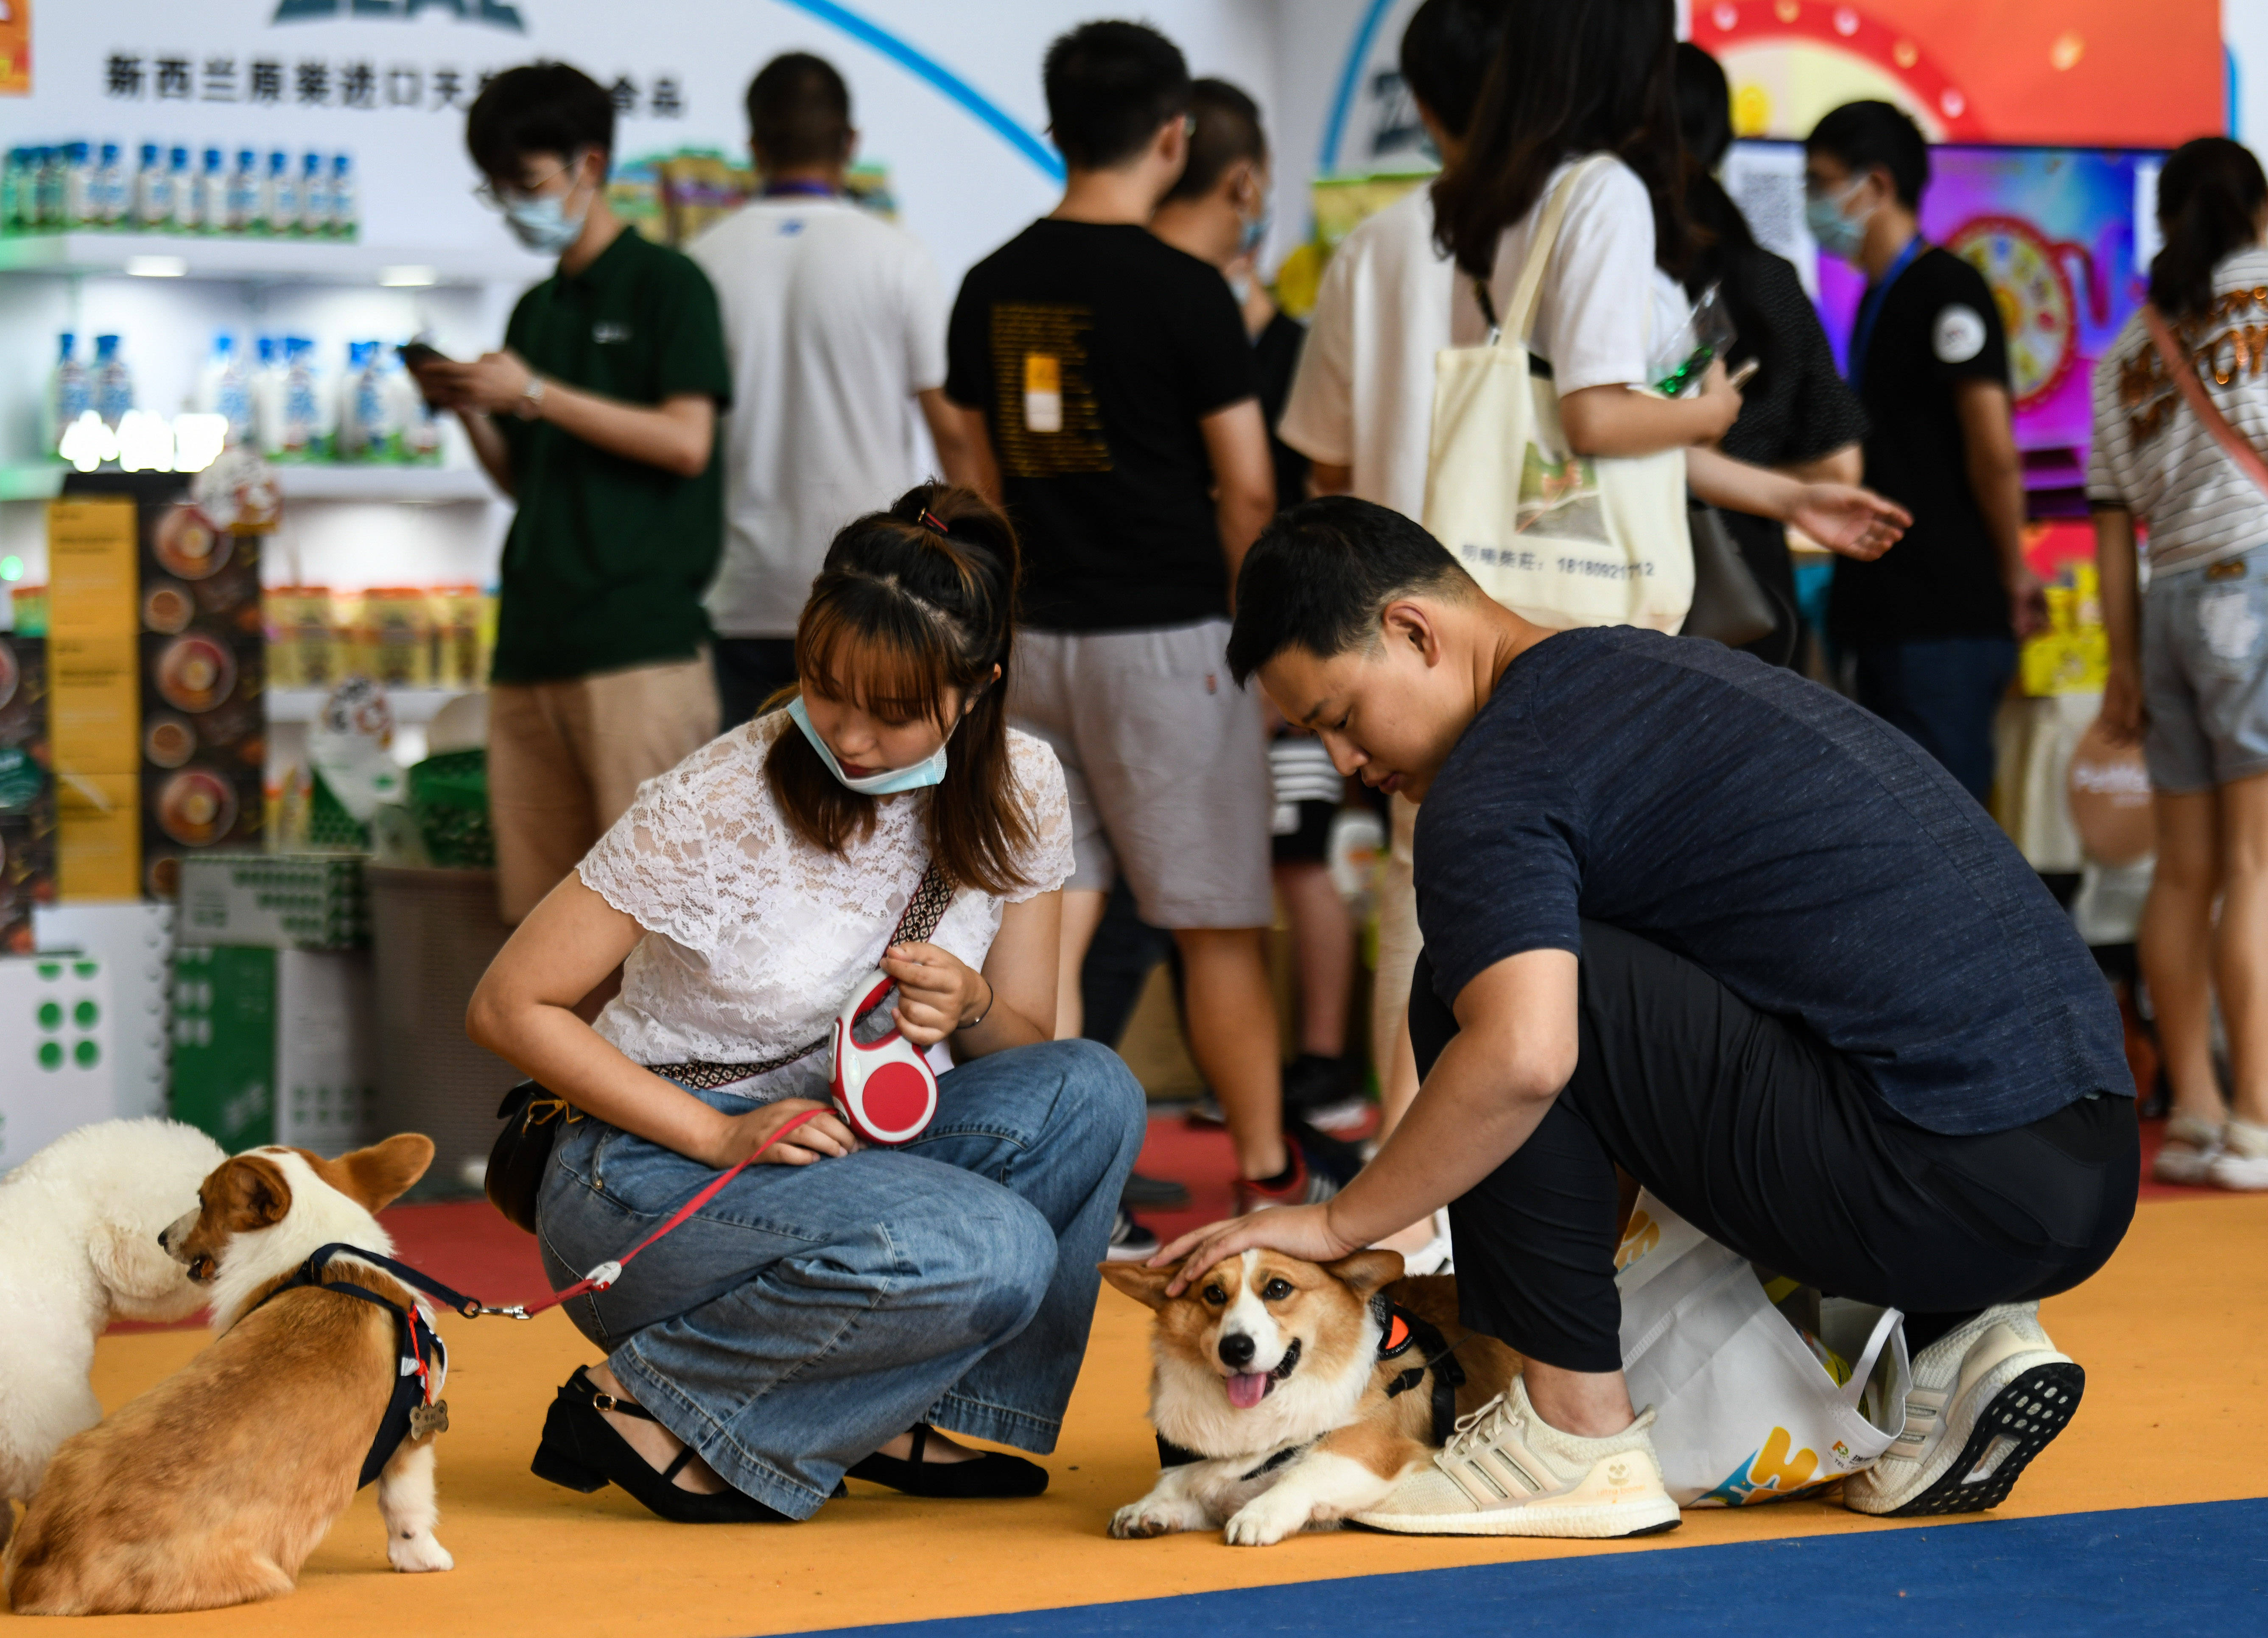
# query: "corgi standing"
211,1488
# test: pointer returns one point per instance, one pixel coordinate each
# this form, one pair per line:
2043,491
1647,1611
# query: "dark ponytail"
912,604
2210,196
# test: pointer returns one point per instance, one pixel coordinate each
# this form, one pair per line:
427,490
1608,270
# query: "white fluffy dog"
78,1248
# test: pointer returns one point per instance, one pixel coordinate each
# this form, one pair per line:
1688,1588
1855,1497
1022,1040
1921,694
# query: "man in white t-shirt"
835,322
1362,410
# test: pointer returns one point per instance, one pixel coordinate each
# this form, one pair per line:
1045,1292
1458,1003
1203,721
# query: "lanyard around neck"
1862,332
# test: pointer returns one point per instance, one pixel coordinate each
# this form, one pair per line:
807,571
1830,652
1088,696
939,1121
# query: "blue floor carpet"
2198,1569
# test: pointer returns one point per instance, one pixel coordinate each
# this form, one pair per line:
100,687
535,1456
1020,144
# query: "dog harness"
415,1408
1399,1332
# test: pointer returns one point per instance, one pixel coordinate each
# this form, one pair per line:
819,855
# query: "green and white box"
133,941
275,1046
278,901
57,1070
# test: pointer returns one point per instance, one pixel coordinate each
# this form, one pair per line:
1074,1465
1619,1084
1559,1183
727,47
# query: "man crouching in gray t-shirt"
1694,916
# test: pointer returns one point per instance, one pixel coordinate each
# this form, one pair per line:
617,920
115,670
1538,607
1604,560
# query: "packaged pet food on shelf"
393,637
305,647
460,656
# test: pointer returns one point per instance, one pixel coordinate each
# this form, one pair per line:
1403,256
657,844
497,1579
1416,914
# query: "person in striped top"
2189,659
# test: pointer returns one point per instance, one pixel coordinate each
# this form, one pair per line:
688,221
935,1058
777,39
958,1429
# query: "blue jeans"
1943,693
808,1314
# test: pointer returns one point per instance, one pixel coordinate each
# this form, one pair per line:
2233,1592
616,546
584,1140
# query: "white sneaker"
2186,1157
2243,1161
1987,1397
1508,1472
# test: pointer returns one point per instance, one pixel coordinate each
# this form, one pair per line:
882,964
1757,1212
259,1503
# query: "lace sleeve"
1047,864
653,865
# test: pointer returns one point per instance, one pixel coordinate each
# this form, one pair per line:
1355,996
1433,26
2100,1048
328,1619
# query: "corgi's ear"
251,1193
377,1175
1145,1285
1367,1272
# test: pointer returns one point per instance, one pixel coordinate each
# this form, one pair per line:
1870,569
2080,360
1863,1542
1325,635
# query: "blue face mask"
1254,232
1838,235
921,774
543,224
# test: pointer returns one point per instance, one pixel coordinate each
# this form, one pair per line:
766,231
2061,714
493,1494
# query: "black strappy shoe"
583,1452
990,1475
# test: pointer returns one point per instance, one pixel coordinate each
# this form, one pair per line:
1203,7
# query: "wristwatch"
531,399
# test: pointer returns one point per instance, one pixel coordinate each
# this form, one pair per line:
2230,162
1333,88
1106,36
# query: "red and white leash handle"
884,1090
607,1273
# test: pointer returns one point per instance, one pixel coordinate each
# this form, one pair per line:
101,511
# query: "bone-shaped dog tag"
426,1420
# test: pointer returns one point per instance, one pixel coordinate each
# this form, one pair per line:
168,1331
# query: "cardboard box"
275,1046
57,1068
278,901
133,941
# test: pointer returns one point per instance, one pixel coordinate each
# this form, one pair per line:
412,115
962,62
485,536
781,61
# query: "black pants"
1760,1136
750,671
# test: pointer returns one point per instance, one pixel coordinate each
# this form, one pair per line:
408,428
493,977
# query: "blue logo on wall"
496,13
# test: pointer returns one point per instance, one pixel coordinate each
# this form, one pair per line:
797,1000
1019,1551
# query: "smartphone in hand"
418,355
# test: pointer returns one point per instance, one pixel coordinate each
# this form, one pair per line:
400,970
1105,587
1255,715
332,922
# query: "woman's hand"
937,992
2122,717
740,1136
1847,519
1297,1231
1719,400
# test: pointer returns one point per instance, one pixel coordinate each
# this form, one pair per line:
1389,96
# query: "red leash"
607,1273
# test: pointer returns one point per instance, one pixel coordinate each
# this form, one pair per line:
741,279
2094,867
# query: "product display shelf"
411,706
344,480
300,262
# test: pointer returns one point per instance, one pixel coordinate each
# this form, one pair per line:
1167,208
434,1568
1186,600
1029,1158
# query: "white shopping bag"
1559,539
1743,1410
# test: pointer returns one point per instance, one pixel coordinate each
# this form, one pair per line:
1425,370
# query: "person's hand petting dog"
1296,1231
937,992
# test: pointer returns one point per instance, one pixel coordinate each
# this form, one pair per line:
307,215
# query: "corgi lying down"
1287,1394
212,1489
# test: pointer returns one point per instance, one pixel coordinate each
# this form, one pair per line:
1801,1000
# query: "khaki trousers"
566,757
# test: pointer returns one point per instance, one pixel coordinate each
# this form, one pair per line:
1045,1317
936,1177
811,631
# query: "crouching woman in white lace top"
835,1302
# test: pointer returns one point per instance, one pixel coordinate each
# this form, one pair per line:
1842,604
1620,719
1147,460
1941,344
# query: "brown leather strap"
923,911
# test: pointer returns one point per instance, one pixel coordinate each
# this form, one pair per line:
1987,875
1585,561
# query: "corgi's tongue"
1248,1388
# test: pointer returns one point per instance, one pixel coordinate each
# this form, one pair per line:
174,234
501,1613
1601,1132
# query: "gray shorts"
1165,764
2204,674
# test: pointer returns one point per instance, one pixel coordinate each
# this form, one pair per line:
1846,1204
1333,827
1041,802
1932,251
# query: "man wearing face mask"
1930,626
599,417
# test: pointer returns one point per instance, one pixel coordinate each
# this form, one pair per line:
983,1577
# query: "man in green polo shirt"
600,418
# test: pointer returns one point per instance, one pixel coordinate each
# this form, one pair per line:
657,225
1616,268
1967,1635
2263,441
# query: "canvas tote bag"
1743,1410
1559,539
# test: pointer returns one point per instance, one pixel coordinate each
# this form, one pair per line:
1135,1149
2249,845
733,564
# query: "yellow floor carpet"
2169,1334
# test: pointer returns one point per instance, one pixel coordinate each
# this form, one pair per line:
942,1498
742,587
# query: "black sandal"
583,1452
990,1475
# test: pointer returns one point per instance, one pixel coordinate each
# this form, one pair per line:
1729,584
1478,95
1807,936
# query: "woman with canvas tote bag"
2181,418
1561,489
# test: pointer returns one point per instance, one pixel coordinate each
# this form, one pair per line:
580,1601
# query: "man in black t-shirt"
1932,627
1108,378
1695,916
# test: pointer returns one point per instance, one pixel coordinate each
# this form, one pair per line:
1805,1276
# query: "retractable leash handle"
885,1089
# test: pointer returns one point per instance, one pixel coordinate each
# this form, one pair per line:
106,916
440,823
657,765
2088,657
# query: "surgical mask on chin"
543,224
1838,234
890,781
